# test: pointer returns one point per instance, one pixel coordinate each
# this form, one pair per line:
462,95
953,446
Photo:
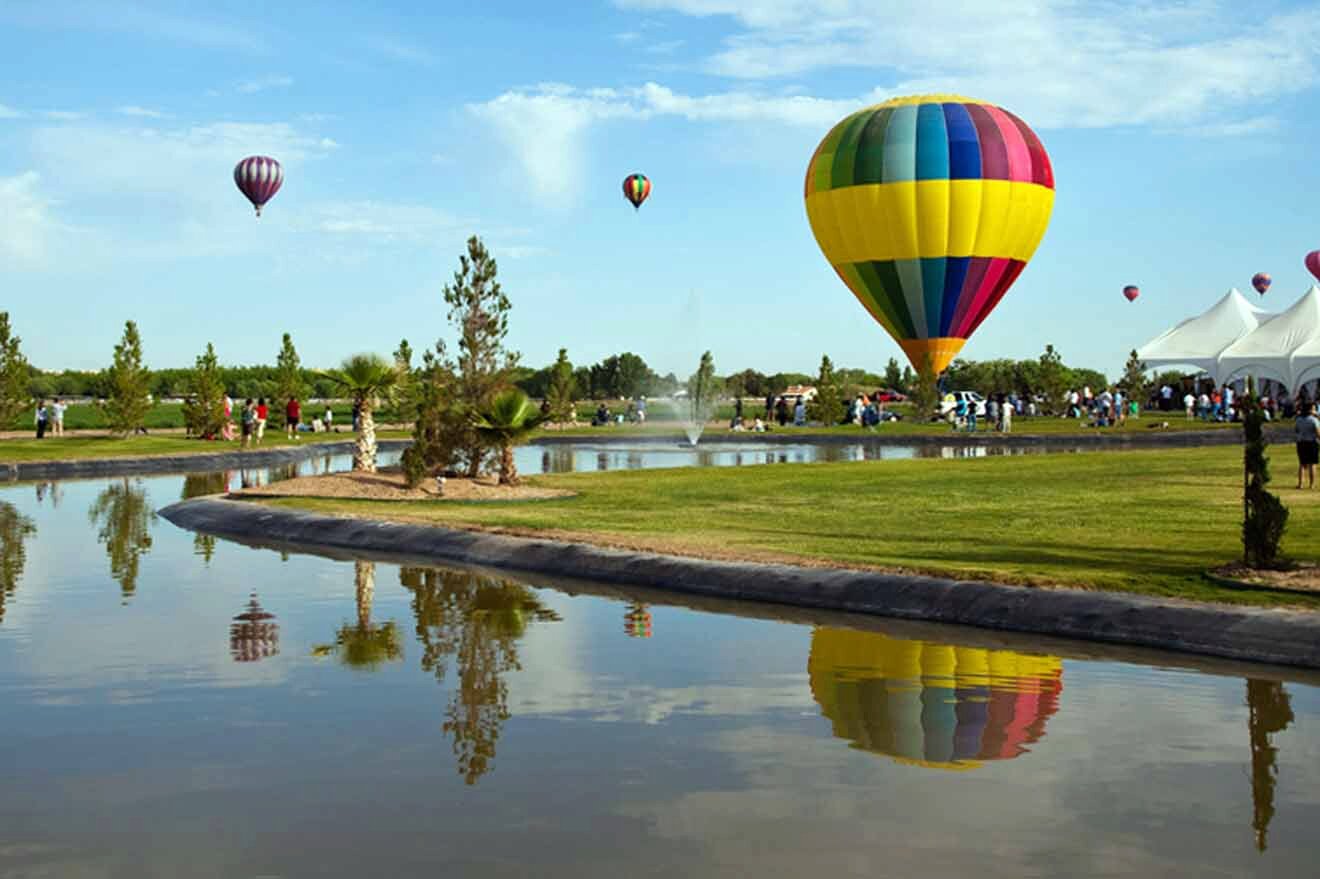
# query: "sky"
1182,137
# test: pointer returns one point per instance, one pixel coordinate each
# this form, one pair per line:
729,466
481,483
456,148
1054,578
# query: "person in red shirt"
262,412
292,415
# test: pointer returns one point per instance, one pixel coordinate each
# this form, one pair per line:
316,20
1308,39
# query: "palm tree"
369,379
507,421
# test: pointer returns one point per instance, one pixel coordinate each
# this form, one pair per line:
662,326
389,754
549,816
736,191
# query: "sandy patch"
1304,577
388,485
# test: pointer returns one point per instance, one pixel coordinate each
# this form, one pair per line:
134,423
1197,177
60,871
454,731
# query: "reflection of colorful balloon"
636,188
1131,293
1261,281
929,208
254,635
258,178
1313,263
637,621
931,704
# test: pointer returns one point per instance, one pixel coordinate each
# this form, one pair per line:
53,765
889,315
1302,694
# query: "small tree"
1134,383
560,392
1264,517
827,406
368,380
893,375
288,373
129,394
204,409
14,375
924,390
1051,378
508,421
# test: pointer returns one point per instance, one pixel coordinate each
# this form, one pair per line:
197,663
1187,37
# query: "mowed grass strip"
1135,521
69,448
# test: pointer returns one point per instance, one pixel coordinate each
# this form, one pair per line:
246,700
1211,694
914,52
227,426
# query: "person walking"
42,419
248,419
1308,444
800,413
263,413
228,431
971,416
329,418
57,417
1006,418
292,417
769,406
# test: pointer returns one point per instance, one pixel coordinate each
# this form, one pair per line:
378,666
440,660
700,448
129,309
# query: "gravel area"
388,485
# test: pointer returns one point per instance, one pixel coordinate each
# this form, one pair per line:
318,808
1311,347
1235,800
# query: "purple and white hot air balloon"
258,178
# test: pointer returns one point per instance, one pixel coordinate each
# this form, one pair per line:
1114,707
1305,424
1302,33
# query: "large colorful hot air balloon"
929,704
1261,281
1313,263
258,178
1131,292
928,208
636,188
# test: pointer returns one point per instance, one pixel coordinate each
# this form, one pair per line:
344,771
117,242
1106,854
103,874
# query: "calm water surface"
174,705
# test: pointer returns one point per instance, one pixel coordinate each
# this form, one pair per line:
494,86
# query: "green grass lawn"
70,448
162,416
1136,521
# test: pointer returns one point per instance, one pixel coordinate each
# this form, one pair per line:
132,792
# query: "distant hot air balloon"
1261,281
1131,292
1313,263
258,178
928,208
636,188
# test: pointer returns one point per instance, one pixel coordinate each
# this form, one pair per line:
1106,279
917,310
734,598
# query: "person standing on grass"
329,418
1308,444
263,412
43,416
57,417
227,432
292,416
800,413
248,419
971,416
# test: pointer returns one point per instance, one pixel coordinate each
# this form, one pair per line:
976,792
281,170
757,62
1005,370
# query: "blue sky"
1182,136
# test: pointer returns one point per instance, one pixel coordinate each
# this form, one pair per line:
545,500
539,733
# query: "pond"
179,705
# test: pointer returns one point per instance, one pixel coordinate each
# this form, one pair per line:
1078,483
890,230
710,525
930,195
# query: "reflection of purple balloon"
1261,281
258,178
1313,263
1131,292
254,635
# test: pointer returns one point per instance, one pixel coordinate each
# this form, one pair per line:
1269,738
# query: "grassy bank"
70,448
1136,521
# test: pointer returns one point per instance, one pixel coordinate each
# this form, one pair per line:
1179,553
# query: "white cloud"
261,84
1056,62
26,220
328,143
401,50
134,19
382,222
62,115
10,113
140,112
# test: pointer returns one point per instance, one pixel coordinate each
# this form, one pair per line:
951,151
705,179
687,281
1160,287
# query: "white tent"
1277,349
1199,341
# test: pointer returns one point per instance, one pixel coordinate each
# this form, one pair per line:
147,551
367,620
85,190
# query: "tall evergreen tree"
204,409
560,392
128,397
14,397
893,375
703,390
288,372
1134,382
1051,378
827,406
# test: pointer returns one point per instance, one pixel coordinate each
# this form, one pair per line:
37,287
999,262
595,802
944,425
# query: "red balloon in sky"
1131,292
1313,263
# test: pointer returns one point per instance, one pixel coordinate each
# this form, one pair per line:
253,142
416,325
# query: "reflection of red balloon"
1313,263
1131,292
1261,281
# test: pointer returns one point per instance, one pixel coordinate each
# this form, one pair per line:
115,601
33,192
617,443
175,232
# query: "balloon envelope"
928,208
1261,281
636,188
258,178
1131,293
1313,263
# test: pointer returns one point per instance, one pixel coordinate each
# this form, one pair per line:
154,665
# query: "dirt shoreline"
1274,636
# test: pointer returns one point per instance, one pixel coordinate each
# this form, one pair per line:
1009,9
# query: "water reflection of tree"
124,518
15,529
1269,711
476,621
364,644
202,484
254,635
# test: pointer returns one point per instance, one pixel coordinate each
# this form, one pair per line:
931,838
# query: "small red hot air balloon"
258,178
1131,292
1261,281
1313,263
636,188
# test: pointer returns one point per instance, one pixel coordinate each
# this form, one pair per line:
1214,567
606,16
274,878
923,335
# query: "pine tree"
1264,517
827,406
703,391
893,376
1134,383
288,372
560,392
204,410
14,397
1051,379
908,381
128,385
